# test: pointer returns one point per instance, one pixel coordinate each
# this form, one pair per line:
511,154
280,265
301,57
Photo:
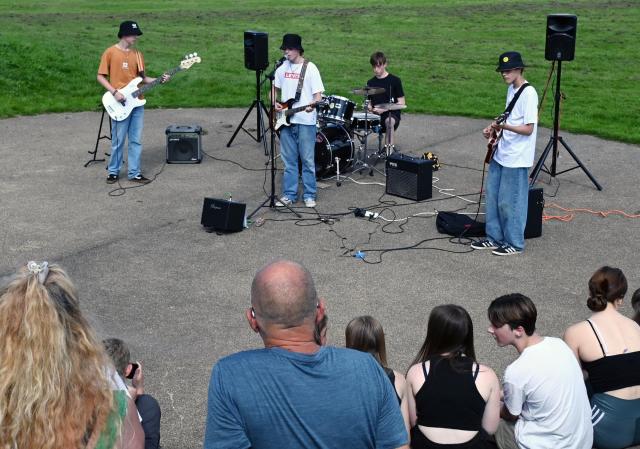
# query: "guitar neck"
154,83
289,112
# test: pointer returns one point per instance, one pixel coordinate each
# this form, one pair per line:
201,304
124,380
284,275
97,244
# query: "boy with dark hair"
389,119
147,405
545,399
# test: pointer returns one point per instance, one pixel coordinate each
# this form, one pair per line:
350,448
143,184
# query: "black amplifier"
409,177
184,145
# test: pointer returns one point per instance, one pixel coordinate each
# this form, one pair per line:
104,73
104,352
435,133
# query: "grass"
445,53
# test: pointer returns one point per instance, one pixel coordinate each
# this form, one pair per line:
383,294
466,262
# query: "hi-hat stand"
260,109
553,144
362,163
98,139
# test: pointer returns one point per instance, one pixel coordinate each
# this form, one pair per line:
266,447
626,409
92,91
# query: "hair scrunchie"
41,270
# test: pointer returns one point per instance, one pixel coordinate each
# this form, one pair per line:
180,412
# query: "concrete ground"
148,272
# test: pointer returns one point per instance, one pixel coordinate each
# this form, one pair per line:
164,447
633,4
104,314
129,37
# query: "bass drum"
332,141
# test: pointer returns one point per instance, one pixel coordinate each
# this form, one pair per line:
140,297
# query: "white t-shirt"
517,150
546,388
286,79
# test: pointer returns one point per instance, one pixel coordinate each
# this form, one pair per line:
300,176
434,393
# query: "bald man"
294,392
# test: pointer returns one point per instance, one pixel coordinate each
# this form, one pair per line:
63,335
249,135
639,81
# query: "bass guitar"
494,138
283,117
120,110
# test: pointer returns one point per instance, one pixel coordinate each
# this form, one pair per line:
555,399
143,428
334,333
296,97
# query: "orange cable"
570,216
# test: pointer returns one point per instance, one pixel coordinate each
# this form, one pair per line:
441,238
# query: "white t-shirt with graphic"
517,150
286,79
545,387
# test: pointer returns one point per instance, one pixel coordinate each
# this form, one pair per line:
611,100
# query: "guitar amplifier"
533,228
223,215
409,177
184,145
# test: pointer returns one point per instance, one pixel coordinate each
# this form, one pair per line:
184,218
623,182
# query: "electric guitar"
494,138
120,110
283,117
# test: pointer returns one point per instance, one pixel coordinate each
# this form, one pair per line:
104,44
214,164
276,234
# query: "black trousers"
149,410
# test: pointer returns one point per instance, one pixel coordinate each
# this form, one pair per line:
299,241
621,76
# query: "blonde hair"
54,389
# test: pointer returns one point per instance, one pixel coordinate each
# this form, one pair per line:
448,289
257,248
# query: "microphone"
280,61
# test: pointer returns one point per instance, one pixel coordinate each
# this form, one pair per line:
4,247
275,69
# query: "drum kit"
340,126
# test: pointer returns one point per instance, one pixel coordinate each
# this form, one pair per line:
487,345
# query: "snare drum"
337,110
332,141
360,123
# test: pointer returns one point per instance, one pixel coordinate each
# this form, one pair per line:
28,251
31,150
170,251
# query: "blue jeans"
130,127
507,197
298,141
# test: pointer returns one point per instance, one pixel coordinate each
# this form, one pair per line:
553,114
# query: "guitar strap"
513,101
301,81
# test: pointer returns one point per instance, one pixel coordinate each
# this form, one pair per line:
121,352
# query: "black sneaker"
506,250
484,244
112,179
140,179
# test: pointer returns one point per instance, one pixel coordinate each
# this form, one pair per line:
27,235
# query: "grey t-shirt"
273,399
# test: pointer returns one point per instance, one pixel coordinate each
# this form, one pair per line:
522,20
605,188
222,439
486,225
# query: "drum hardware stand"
553,144
260,109
365,155
100,137
338,182
272,151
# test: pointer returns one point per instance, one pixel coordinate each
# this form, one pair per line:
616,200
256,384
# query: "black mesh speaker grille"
402,183
183,148
256,50
561,37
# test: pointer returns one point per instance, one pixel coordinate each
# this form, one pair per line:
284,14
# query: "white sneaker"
309,202
284,201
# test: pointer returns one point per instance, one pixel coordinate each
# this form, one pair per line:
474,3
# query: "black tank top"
460,405
392,378
612,372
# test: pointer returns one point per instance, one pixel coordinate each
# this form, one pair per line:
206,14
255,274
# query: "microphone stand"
272,197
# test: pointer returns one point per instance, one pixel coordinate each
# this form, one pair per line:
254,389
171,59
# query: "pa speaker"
256,50
223,215
183,144
561,37
533,227
409,177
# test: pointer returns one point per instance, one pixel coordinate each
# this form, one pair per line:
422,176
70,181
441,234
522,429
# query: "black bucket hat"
510,60
291,41
129,28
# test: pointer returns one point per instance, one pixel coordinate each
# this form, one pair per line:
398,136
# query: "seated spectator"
55,390
454,402
147,405
365,334
545,399
635,303
294,393
320,331
608,347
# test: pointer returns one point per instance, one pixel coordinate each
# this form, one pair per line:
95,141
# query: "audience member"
365,334
635,303
454,402
55,388
147,405
545,399
294,392
608,347
320,331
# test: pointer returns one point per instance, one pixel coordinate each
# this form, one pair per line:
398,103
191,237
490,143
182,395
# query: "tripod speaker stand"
260,109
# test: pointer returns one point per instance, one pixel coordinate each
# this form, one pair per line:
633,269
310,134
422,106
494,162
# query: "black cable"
122,190
234,162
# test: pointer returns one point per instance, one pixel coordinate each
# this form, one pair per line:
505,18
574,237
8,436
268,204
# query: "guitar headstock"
189,60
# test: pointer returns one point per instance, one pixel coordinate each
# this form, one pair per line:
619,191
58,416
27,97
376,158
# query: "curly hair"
54,387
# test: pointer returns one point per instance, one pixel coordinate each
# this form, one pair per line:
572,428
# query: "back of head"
365,334
514,309
605,286
449,331
378,58
53,386
283,294
119,353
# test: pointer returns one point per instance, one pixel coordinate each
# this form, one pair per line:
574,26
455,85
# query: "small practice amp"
533,228
222,215
409,177
184,145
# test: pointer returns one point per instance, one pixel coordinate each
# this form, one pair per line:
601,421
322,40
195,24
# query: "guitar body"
282,117
492,145
119,111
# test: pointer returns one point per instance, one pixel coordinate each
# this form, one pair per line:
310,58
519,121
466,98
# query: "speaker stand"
260,109
553,144
99,138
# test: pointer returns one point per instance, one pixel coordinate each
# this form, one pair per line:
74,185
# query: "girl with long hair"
453,401
55,391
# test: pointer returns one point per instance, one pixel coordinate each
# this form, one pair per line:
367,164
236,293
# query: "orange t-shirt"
121,66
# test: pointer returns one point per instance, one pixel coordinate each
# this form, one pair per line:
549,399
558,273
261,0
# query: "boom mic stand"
553,144
272,151
260,109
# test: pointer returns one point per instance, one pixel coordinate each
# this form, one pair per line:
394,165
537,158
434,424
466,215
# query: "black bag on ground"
458,225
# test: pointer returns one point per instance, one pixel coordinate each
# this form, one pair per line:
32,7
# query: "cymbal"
368,90
390,106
